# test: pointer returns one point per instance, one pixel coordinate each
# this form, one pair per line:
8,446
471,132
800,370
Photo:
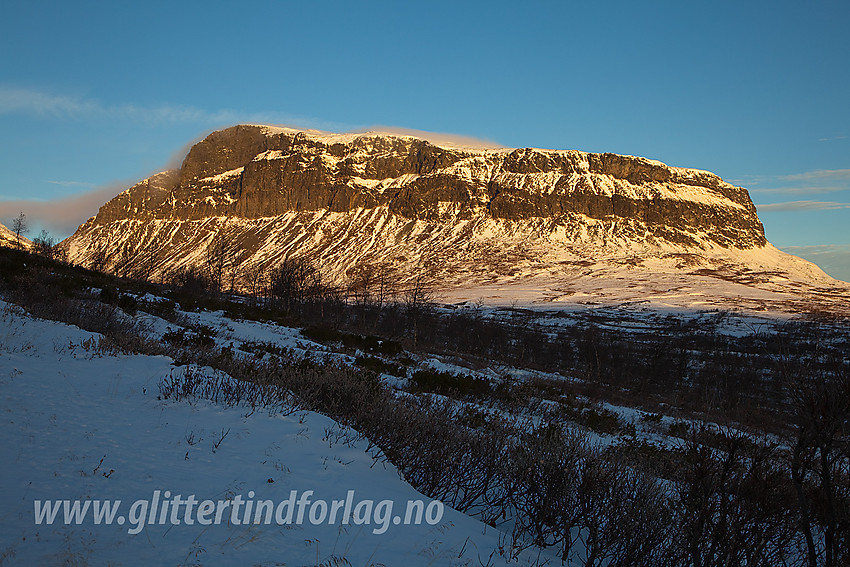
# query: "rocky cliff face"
254,172
468,214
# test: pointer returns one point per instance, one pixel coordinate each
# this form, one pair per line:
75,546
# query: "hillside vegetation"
601,436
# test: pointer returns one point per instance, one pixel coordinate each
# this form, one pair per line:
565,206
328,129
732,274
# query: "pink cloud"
60,217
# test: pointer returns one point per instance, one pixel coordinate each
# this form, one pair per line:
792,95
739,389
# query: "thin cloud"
832,174
17,100
748,180
834,259
802,189
815,249
803,206
28,101
832,139
72,183
820,181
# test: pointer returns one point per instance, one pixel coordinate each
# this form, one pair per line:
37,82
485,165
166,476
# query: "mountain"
504,225
8,238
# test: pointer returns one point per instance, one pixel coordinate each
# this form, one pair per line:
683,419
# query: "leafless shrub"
99,259
222,262
545,479
820,462
728,499
192,281
122,333
625,515
441,457
591,506
43,244
192,383
254,280
734,504
294,281
220,439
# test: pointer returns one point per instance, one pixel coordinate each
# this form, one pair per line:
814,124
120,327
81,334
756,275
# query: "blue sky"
95,96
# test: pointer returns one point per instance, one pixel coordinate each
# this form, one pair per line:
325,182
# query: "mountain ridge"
259,171
469,216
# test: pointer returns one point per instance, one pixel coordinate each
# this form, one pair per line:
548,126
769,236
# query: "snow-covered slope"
8,238
82,425
546,225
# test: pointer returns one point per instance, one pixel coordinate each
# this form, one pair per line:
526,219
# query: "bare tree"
122,262
734,501
419,293
215,260
363,279
192,280
222,261
386,283
294,281
44,244
234,273
820,464
19,227
147,261
99,259
418,298
254,281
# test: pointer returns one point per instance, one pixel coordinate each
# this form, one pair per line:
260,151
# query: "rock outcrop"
254,172
470,215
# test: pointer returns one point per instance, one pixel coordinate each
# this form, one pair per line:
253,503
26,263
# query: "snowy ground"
84,425
81,425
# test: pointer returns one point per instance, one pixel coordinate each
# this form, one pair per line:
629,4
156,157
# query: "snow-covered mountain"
505,225
8,238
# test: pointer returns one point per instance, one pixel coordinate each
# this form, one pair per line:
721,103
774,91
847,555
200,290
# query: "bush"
200,336
261,349
322,335
449,384
381,367
370,344
164,308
